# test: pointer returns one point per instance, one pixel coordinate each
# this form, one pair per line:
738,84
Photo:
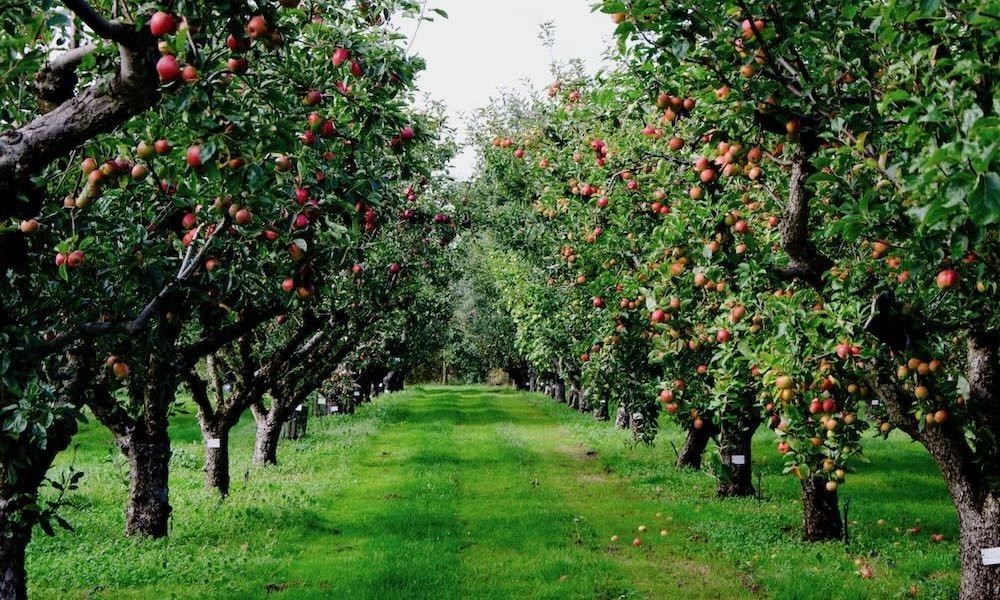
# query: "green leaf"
984,203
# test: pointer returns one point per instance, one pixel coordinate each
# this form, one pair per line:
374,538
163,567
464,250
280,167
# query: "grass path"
468,492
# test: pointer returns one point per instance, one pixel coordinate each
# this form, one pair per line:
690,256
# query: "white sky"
488,45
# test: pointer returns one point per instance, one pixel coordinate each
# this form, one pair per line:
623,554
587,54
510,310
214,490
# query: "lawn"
470,492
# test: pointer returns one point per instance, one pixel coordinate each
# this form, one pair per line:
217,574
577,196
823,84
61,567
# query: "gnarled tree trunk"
622,418
979,528
734,446
217,457
601,410
148,511
694,447
265,450
820,511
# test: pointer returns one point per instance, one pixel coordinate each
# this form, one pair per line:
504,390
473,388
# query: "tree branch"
120,33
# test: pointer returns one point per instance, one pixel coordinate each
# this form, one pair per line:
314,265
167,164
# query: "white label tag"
356,393
334,409
321,401
991,556
875,402
739,459
214,442
298,408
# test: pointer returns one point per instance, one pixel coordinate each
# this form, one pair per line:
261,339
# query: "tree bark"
735,448
820,512
13,543
148,510
694,446
979,528
217,458
265,450
622,418
601,410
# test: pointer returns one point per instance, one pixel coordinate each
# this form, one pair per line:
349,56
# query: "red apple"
947,278
256,27
161,24
167,69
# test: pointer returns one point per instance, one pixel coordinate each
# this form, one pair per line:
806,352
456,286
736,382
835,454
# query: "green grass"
466,492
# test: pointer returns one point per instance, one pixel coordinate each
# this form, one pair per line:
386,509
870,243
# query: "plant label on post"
739,459
356,393
321,400
334,409
991,556
875,402
298,408
214,442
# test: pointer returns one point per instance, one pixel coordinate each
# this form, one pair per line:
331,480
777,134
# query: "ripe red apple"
161,24
237,65
256,27
282,163
723,336
340,56
357,269
598,302
120,370
947,278
161,147
75,259
60,259
312,98
356,69
395,268
407,133
288,285
211,264
243,217
301,221
657,316
167,69
194,157
829,405
189,74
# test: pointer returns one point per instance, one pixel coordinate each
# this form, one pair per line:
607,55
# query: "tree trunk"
13,542
265,449
148,511
601,410
559,391
694,446
622,418
734,446
979,528
217,458
820,512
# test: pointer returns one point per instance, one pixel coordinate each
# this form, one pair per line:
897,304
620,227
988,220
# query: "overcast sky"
488,45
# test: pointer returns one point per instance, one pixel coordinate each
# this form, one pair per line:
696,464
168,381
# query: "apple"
598,302
784,382
60,259
282,163
243,216
256,27
356,69
167,69
723,336
29,227
395,268
189,74
947,278
237,65
161,24
357,269
675,143
940,416
312,98
657,316
120,370
211,264
407,133
301,221
340,56
783,447
75,259
161,147
636,542
194,157
288,285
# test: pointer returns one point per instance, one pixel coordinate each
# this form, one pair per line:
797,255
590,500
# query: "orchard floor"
469,492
